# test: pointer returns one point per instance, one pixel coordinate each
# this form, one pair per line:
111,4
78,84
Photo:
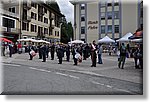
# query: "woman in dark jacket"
60,52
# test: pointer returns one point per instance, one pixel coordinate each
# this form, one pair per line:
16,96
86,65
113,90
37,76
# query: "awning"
5,40
137,35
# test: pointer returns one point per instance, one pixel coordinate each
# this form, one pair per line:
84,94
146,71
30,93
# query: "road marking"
74,77
42,70
15,65
61,74
109,86
94,82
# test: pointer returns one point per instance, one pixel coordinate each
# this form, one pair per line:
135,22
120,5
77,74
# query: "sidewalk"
109,67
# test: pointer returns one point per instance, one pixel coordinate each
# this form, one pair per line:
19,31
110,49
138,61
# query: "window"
33,15
40,18
116,28
12,10
55,33
103,3
109,29
8,23
109,15
33,28
33,4
82,30
45,20
45,30
58,34
82,18
116,15
25,26
116,4
102,15
82,6
109,4
45,10
102,29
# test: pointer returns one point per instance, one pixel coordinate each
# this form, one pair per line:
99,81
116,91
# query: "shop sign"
92,25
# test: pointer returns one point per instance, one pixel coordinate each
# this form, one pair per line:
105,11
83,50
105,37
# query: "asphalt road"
22,79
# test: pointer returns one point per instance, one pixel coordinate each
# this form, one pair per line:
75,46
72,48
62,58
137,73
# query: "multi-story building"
93,19
37,19
9,23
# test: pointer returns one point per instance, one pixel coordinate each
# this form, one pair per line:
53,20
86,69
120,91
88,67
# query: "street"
22,76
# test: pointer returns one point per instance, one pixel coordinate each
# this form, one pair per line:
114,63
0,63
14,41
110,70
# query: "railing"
27,6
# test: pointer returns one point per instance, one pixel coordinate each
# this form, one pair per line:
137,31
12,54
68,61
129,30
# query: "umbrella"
125,37
77,42
5,40
106,39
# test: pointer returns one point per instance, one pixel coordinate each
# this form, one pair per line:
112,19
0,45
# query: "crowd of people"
79,52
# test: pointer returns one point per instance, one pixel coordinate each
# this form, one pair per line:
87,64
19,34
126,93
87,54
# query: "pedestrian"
3,46
19,48
60,52
52,51
40,51
68,52
140,56
93,54
30,48
10,49
122,56
100,50
135,56
47,50
44,49
74,52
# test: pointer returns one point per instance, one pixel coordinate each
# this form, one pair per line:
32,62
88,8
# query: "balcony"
26,18
27,6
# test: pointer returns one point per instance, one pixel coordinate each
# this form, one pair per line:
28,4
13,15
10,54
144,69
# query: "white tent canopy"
33,40
106,39
125,37
77,42
27,40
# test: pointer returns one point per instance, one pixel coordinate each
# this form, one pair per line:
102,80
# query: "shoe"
92,66
30,59
43,61
59,63
75,64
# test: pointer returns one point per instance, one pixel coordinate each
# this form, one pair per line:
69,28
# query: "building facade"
37,20
95,19
9,24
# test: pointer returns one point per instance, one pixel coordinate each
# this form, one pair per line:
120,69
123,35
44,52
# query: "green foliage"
66,32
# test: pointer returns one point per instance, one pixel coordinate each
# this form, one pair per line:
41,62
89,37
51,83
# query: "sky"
67,9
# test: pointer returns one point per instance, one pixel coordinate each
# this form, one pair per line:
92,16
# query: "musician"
93,53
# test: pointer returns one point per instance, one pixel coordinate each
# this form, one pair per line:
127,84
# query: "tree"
66,32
